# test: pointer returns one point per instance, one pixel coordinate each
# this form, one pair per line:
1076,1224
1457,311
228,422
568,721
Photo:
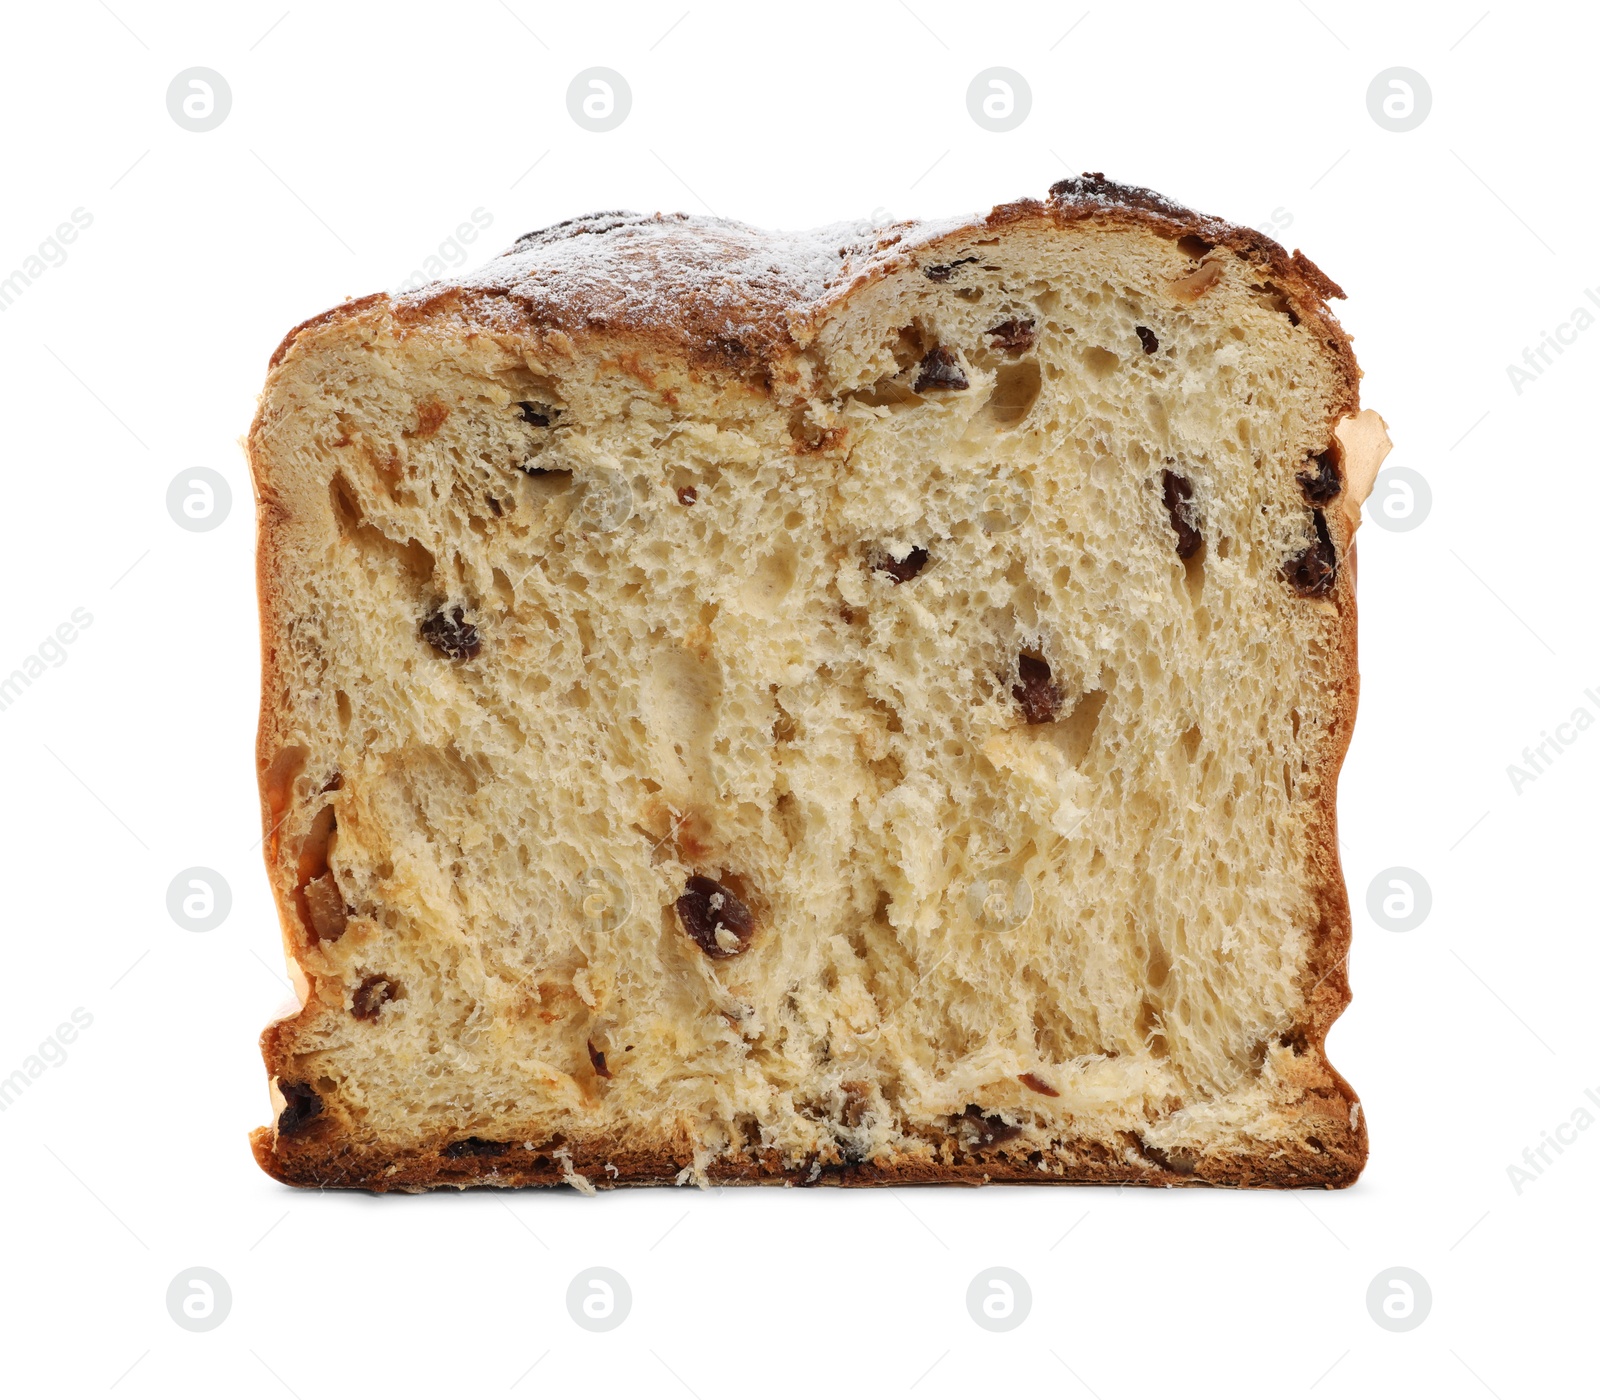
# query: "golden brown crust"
727,296
326,318
1330,1157
752,327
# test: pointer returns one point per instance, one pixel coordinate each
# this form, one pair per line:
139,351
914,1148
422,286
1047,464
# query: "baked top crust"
728,295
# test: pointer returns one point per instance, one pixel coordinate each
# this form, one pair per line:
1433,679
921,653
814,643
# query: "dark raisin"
475,1147
1013,336
1321,481
1177,495
597,1058
1032,1081
535,413
1313,572
808,1173
707,907
368,999
942,272
1092,184
990,1128
900,570
939,370
1147,338
687,495
451,635
301,1103
1038,695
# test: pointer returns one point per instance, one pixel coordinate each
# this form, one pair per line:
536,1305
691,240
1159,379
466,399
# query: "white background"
359,137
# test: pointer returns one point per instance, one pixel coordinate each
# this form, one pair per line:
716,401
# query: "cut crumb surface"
857,706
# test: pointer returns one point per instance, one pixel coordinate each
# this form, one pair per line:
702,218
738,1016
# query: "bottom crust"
1331,1158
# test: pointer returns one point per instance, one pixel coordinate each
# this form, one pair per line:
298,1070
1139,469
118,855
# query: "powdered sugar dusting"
716,281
